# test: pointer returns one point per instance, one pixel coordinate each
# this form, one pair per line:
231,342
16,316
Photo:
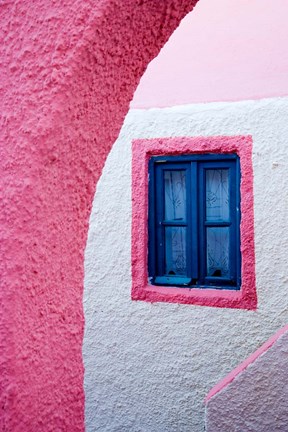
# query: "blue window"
194,221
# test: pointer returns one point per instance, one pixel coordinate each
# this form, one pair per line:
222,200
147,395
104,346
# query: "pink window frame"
142,150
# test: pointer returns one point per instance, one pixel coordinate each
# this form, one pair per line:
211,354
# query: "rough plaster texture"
226,50
148,366
68,71
142,150
256,400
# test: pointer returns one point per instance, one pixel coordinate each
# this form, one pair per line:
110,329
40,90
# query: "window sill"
194,296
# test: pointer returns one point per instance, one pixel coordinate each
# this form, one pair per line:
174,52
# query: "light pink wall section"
226,50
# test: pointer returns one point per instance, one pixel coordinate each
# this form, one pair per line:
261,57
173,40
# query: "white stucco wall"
149,366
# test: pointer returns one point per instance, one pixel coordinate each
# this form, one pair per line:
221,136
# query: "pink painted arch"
68,71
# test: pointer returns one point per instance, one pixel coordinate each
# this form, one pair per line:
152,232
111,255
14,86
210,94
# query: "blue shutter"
218,223
194,221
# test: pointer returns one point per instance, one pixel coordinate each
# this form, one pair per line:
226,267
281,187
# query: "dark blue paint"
196,223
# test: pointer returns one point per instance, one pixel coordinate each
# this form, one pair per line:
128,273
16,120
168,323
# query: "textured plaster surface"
225,50
142,150
257,400
68,71
148,366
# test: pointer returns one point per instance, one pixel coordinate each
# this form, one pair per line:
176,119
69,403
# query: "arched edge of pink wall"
68,72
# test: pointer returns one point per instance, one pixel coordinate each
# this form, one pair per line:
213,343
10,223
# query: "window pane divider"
217,224
173,223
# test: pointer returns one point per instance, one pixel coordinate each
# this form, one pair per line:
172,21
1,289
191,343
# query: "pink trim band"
143,149
239,369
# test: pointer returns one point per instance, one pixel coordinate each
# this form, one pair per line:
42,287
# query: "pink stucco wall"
226,50
67,73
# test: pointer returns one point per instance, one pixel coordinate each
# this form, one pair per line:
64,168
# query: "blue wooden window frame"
195,221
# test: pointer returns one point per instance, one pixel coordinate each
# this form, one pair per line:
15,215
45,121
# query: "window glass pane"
218,252
175,195
175,251
217,195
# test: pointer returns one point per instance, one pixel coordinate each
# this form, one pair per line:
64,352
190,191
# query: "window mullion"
159,205
193,218
201,188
